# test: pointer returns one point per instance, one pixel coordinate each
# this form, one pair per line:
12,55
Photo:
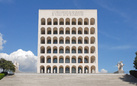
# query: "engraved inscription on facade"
67,13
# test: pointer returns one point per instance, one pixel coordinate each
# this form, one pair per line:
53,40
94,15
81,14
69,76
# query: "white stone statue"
48,70
93,71
54,71
80,70
86,71
16,66
120,67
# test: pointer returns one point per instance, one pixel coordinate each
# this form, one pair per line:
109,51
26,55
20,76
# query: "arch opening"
42,21
48,49
49,21
61,20
80,21
42,69
42,49
42,30
42,59
55,20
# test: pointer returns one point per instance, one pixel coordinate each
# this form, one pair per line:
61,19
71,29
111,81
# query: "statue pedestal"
120,71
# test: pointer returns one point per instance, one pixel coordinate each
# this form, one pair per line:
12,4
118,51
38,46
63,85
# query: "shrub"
6,73
135,61
133,73
1,75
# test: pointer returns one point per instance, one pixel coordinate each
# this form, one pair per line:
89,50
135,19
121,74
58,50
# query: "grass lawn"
1,75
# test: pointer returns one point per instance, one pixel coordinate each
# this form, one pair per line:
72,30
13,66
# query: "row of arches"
67,49
67,30
67,59
67,69
67,21
66,40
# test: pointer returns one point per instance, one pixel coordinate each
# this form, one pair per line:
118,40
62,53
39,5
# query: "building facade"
67,41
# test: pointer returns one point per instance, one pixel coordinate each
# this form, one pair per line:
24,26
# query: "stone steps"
32,79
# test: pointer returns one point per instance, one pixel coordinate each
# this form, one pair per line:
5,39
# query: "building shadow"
129,78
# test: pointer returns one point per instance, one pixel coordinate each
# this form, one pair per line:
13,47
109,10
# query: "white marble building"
67,41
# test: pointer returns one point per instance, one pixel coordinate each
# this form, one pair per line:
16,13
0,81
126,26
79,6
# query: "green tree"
6,65
135,61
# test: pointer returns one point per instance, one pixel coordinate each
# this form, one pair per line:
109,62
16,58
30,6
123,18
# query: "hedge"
1,75
133,73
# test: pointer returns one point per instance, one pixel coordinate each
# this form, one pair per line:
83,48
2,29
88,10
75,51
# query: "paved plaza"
32,79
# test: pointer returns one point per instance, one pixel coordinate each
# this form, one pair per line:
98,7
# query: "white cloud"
103,71
2,41
26,59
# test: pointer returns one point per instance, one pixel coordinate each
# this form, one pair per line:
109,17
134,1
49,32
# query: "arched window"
61,60
73,49
92,30
54,69
55,20
55,41
42,59
92,49
93,69
54,59
86,50
73,40
67,21
79,50
80,30
48,49
61,21
73,21
48,30
55,50
86,21
42,49
55,31
73,30
67,50
42,21
80,59
86,30
61,40
42,30
86,69
61,31
48,40
42,40
61,49
92,40
42,69
79,40
67,60
73,59
92,21
67,69
61,69
67,40
80,69
86,40
48,59
80,21
48,69
73,69
49,21
86,59
67,30
92,59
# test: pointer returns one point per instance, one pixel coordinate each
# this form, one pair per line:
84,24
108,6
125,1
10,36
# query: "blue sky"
117,27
